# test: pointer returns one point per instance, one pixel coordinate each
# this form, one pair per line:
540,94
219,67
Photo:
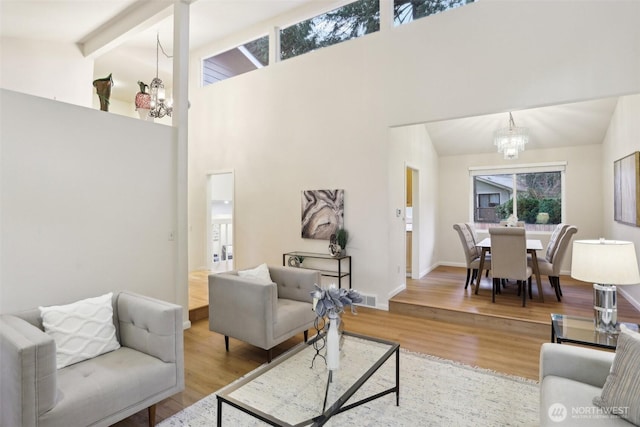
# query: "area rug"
433,392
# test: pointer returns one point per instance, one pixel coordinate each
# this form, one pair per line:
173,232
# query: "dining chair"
509,259
550,265
476,239
471,252
505,223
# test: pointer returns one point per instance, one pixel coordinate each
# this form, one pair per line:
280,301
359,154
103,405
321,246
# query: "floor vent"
369,300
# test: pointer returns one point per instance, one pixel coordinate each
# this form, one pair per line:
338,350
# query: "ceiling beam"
138,17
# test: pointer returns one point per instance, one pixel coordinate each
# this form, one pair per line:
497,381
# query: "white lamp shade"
611,262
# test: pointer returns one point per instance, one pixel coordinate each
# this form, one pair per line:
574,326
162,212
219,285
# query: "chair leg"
555,282
151,410
226,342
466,284
493,289
559,287
486,274
306,335
269,355
519,282
522,284
529,286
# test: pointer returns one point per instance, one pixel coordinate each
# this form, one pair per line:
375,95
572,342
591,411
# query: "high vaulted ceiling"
121,36
131,56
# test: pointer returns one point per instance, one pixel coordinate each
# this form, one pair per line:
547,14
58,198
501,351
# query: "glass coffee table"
581,330
291,391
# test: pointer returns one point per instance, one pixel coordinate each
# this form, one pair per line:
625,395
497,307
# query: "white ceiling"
134,58
565,125
74,21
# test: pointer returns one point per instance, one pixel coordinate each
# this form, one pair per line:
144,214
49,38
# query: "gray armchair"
262,313
147,368
570,377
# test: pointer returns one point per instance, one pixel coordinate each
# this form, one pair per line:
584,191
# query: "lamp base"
605,308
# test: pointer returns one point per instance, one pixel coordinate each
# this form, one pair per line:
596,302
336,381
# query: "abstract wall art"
322,213
626,191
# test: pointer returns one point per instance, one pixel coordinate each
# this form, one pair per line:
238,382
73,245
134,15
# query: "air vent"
368,300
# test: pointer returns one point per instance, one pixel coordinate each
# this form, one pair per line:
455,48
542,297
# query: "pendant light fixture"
160,106
511,140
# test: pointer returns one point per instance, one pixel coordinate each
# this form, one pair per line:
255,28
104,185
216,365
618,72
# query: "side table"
339,273
581,330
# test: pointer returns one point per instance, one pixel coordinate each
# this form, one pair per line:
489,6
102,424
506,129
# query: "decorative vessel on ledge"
338,242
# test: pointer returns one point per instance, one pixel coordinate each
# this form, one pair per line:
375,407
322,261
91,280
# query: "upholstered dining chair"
509,259
471,252
505,223
550,265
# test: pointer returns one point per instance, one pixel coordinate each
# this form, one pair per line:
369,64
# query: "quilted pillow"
81,330
622,387
261,273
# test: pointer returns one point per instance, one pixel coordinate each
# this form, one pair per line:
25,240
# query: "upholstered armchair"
147,367
259,311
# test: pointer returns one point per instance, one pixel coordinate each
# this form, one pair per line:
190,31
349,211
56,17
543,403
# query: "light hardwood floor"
209,367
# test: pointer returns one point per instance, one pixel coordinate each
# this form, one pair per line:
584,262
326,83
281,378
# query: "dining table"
533,245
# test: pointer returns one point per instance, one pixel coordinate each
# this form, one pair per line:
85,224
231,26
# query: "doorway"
412,222
220,227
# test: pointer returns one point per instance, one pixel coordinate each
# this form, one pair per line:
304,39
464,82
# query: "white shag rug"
433,392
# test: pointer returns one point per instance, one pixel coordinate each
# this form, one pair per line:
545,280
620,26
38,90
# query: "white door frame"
415,203
209,225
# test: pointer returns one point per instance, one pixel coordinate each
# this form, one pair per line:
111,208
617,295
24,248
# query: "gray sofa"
262,313
570,377
148,367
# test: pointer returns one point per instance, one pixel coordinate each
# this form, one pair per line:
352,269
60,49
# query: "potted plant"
342,236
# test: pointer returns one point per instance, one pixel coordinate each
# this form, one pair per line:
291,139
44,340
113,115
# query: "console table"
340,273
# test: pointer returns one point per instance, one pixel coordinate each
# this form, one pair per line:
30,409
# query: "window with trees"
344,23
409,10
533,194
353,20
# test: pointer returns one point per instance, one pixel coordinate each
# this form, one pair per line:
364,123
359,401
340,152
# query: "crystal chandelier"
511,140
160,106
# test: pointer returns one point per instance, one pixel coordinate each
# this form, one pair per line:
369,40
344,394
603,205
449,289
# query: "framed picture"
626,191
322,213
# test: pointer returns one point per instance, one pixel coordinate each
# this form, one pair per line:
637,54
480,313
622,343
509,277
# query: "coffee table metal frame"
327,413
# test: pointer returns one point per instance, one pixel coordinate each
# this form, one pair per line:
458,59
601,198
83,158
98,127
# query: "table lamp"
606,264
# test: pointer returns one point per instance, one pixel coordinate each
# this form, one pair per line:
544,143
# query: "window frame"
514,170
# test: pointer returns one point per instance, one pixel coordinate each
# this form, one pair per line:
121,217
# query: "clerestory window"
233,62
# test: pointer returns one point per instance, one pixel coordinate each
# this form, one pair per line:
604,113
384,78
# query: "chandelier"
160,106
511,140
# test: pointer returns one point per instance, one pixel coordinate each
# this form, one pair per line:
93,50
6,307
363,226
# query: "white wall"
88,202
47,69
622,139
321,120
411,146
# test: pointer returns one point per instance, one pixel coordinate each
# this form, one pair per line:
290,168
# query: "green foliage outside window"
529,207
354,20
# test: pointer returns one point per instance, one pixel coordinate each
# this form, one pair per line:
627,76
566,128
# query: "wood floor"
434,315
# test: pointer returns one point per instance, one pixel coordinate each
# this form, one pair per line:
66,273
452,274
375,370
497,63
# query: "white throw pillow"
261,272
82,330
